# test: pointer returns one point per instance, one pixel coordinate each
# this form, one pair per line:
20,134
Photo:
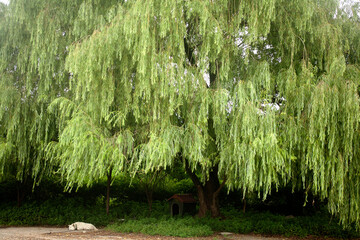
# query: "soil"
52,233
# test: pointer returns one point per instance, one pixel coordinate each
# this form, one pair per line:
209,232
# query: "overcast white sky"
4,1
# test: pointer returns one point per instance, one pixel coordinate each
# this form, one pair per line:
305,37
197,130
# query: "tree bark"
109,176
208,192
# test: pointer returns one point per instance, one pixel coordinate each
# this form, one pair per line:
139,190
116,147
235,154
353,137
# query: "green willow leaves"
266,92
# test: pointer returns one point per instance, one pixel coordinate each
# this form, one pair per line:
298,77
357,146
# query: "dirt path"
28,232
52,233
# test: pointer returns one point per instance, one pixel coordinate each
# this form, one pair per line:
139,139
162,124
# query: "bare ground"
52,233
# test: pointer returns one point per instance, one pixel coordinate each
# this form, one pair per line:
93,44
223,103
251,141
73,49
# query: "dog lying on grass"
81,226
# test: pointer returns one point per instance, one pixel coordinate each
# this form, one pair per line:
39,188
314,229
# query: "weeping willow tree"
251,94
18,113
34,44
32,74
88,150
254,94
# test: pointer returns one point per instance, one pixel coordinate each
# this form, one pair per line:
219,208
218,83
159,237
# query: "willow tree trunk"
208,195
208,192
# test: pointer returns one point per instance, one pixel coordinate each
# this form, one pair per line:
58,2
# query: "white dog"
82,226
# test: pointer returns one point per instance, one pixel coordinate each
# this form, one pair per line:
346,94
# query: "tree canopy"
257,94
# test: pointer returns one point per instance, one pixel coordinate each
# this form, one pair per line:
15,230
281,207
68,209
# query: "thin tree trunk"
244,205
149,197
109,174
20,192
149,185
18,195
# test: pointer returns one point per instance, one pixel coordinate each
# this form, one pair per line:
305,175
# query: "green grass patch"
177,227
272,224
63,211
236,222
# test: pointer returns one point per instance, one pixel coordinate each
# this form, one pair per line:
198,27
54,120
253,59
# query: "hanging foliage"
252,94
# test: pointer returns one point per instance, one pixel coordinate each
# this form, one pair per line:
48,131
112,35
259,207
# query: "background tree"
87,150
36,38
149,182
24,125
